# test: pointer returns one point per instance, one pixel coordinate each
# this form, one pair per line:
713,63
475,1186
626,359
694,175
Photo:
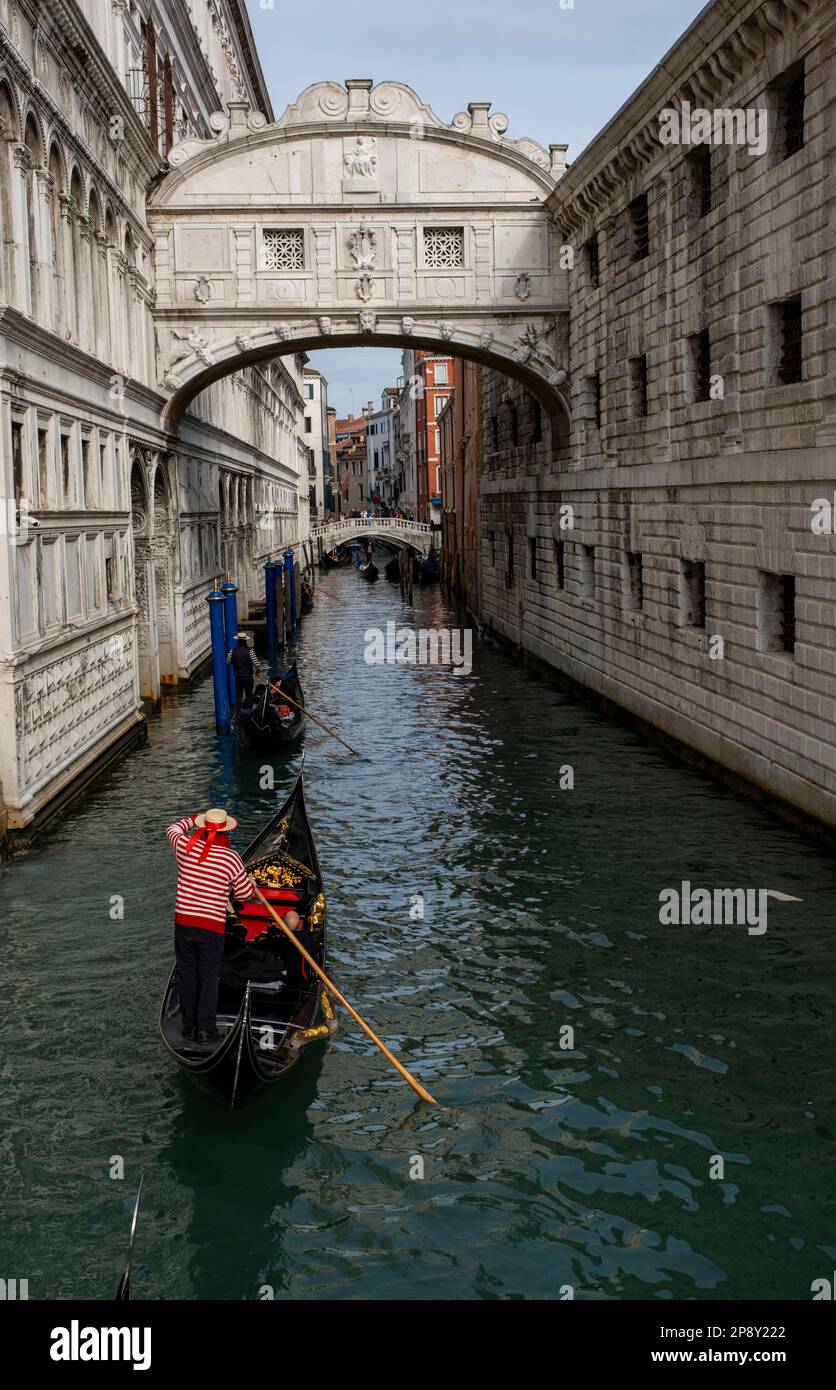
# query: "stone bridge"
414,535
359,218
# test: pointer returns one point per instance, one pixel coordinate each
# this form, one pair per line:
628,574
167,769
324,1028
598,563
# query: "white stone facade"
115,523
690,520
357,217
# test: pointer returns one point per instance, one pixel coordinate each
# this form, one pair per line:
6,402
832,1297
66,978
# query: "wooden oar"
123,1292
416,1085
277,690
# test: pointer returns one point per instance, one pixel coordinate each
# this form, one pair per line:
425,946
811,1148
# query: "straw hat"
242,637
215,819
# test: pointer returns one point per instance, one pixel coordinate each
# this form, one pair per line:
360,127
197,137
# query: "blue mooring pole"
217,604
230,593
270,604
291,574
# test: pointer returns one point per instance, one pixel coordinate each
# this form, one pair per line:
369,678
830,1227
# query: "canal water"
550,1166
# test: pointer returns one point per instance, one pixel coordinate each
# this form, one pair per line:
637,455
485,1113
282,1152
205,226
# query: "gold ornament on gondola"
318,914
275,876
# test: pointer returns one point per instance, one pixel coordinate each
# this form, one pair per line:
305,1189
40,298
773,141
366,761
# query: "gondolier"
245,664
209,870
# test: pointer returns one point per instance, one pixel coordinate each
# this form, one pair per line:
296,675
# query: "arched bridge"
359,218
416,535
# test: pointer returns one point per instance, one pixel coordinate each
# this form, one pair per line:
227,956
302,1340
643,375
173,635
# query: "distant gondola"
429,570
264,1023
262,724
334,559
369,571
393,569
307,597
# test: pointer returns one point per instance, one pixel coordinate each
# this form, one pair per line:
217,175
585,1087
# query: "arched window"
8,136
32,141
97,307
110,335
76,278
56,170
133,335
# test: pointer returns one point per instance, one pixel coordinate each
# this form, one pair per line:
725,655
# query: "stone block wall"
673,561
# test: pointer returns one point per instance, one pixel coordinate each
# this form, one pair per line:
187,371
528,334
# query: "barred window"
792,114
593,266
700,345
443,247
640,227
790,360
284,249
702,194
638,385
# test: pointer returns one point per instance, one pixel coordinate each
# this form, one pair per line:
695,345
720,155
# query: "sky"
559,71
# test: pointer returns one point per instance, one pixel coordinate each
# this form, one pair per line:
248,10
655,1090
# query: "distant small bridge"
415,535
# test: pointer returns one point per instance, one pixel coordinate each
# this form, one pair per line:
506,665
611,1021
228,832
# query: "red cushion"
254,915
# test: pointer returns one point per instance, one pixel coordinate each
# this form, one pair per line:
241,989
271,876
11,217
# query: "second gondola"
269,721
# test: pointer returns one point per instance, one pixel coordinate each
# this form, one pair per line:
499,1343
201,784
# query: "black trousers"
199,954
244,689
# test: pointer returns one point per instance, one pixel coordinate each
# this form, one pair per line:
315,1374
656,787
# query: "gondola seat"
254,916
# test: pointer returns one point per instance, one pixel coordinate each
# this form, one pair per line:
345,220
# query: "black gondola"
335,559
392,570
264,1022
369,571
263,724
307,597
429,569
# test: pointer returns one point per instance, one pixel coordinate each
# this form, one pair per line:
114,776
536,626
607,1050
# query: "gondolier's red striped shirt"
203,889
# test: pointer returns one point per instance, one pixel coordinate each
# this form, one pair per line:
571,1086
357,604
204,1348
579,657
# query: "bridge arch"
404,535
359,218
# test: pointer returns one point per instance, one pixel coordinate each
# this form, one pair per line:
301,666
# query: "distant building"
427,377
315,392
351,463
381,445
460,430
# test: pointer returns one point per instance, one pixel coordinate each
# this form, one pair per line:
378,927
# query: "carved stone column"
106,325
244,281
44,191
84,285
69,212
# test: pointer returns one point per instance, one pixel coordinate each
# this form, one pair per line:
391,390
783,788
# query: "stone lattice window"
284,249
443,247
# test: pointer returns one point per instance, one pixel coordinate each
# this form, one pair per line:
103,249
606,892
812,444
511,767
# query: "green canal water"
549,1167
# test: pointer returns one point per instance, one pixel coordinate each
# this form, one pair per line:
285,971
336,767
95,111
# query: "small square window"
789,326
700,350
560,563
693,594
777,613
633,583
284,249
586,571
443,248
638,386
593,398
700,170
